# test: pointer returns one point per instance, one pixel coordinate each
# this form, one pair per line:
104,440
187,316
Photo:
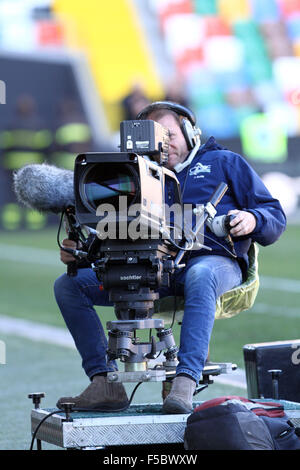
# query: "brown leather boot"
100,395
180,398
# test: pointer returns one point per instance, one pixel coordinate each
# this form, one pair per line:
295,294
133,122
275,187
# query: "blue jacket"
214,164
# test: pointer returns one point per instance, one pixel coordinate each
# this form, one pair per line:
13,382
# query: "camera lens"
104,183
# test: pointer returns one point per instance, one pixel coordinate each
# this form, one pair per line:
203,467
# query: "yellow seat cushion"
231,303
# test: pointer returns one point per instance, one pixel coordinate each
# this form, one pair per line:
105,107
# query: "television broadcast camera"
124,199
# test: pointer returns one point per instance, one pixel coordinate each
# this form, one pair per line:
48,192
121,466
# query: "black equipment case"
260,358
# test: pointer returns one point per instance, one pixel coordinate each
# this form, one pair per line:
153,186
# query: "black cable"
81,409
191,242
80,254
180,248
198,390
59,229
220,244
171,240
72,266
133,392
58,235
40,423
175,306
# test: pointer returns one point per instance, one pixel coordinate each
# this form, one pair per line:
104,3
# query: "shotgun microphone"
44,187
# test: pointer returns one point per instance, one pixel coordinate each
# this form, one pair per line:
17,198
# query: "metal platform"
139,425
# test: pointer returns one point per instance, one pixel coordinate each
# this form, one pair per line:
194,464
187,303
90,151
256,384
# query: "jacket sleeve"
252,195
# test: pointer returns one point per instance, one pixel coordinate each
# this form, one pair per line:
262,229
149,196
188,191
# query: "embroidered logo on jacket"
199,168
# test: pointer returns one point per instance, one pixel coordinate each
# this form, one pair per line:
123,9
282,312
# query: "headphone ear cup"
189,133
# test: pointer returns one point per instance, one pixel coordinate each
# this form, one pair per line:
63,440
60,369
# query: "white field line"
281,284
36,331
24,254
235,379
276,310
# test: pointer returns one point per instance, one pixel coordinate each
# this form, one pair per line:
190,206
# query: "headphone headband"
175,107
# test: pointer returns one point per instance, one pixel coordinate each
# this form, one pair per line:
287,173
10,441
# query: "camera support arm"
209,212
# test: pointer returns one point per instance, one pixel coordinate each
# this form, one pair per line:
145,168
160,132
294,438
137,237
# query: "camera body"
115,189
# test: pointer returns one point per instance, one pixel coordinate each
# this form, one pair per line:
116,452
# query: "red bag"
271,409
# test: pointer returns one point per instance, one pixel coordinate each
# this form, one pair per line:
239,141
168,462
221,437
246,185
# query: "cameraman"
206,276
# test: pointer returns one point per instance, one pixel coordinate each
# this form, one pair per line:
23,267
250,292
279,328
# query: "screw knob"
36,398
68,408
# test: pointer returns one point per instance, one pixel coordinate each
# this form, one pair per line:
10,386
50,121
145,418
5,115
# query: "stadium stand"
239,58
236,63
235,57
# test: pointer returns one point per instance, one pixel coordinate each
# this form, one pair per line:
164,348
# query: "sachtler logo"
2,92
2,352
131,277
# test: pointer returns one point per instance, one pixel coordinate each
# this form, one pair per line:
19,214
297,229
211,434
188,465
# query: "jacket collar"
210,144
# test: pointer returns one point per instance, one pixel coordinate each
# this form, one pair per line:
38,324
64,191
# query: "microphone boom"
44,187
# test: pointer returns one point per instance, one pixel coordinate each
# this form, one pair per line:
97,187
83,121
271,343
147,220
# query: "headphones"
190,132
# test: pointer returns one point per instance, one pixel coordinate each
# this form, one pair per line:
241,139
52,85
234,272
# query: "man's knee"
62,285
199,273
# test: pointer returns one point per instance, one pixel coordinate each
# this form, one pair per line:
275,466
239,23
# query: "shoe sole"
173,407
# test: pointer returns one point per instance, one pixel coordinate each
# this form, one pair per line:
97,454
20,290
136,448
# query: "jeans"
202,281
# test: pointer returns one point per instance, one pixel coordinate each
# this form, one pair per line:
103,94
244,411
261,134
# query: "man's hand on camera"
243,223
64,256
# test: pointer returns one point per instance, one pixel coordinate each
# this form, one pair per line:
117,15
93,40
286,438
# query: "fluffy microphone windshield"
44,188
